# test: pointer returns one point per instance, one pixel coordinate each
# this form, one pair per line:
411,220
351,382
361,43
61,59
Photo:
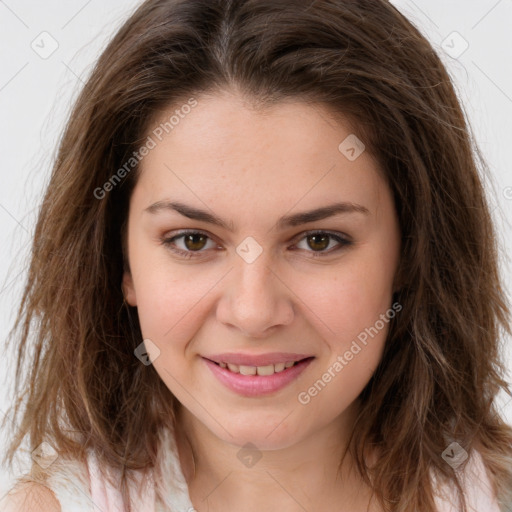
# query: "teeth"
266,370
247,370
257,370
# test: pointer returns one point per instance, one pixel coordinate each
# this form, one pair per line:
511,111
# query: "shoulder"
478,489
30,497
478,486
62,485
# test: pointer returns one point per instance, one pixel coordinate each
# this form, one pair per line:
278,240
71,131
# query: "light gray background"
36,94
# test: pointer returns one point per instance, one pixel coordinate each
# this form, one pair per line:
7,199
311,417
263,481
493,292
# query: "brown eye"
318,242
188,243
195,241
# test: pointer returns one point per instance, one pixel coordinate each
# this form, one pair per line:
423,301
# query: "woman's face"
254,282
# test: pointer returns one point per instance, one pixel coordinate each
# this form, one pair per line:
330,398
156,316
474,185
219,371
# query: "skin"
250,168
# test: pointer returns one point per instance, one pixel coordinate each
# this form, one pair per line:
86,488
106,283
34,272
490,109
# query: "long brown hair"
441,369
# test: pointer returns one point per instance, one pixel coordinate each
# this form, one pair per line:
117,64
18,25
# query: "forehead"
235,127
224,147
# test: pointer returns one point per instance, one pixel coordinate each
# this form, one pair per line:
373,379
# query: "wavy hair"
442,366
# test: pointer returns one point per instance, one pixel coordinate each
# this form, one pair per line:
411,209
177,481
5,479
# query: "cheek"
170,313
169,296
356,308
350,299
167,299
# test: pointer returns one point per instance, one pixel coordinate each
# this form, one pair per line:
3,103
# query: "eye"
191,242
319,241
195,241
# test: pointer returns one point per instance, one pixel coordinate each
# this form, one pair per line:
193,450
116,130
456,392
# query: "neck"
303,476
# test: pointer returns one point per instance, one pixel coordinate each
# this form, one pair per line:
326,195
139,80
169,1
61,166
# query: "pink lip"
256,385
257,360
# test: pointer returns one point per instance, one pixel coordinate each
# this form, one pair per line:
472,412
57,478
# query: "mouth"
257,381
264,370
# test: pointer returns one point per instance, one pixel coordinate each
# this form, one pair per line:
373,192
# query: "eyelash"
168,242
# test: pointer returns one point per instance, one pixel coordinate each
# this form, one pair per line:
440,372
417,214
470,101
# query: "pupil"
323,244
191,241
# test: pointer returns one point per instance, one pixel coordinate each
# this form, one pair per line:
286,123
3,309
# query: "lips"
254,383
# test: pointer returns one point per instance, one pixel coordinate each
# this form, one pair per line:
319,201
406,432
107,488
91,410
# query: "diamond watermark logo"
249,455
147,352
45,45
45,455
455,455
454,45
249,250
352,147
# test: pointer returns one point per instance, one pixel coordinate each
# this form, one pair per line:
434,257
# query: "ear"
129,289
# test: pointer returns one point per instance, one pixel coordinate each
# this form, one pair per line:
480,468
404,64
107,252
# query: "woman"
265,274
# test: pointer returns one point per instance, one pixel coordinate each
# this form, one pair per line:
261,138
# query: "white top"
79,487
89,492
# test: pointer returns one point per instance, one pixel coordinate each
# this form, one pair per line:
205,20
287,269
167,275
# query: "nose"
255,299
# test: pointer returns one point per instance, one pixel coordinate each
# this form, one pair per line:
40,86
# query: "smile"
252,381
258,370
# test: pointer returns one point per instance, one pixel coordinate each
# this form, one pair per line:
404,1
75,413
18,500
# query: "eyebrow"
295,219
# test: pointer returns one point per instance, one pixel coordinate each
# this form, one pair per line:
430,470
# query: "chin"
272,434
